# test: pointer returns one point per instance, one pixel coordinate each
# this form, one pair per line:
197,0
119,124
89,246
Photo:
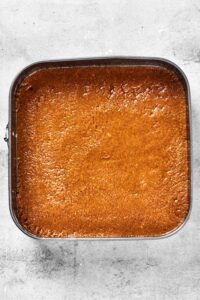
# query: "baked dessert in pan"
102,151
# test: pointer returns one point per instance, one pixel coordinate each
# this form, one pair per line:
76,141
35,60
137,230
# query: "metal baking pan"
10,137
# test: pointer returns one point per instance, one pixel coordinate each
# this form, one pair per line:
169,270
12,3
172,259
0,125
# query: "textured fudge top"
102,152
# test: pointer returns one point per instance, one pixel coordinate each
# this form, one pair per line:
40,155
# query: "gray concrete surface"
159,269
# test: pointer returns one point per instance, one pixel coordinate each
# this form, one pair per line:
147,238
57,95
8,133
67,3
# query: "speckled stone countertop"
160,269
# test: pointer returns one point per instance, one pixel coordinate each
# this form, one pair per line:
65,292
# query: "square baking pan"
11,135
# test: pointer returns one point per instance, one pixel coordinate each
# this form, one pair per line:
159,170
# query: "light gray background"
47,29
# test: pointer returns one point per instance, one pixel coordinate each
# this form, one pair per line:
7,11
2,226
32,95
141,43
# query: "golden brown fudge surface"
102,151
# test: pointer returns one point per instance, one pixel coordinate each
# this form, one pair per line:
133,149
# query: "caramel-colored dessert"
102,152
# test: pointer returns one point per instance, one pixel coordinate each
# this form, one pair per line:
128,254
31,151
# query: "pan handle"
6,139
